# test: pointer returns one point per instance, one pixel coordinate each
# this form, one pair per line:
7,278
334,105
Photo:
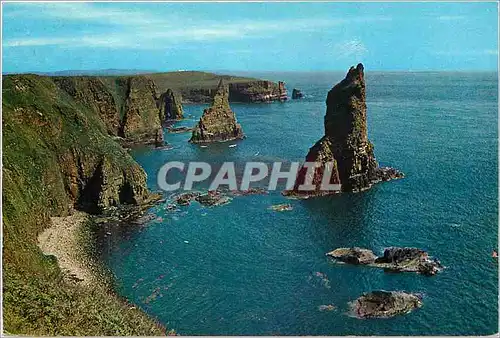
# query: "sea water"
241,269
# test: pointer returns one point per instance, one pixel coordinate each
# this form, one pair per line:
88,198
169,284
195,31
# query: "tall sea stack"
218,123
346,141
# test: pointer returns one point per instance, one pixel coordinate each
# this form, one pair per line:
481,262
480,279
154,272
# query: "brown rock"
218,123
345,143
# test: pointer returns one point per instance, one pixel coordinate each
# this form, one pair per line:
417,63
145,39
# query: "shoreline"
71,240
61,240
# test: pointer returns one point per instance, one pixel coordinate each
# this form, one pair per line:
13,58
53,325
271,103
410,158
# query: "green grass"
44,133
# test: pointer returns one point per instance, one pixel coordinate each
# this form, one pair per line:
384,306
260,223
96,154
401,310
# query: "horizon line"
151,71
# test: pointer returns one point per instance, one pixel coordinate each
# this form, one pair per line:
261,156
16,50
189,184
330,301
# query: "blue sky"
249,36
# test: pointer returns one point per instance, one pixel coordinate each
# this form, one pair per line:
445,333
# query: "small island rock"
394,259
384,304
353,255
297,94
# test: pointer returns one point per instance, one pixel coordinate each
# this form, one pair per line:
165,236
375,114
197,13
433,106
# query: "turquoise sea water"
241,269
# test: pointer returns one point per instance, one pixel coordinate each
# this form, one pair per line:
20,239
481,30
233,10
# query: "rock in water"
297,94
218,123
408,260
345,143
170,106
394,259
384,304
353,255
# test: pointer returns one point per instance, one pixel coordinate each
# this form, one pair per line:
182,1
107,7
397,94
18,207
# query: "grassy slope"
40,125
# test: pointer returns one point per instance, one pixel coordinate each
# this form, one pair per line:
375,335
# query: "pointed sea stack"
170,106
218,123
345,142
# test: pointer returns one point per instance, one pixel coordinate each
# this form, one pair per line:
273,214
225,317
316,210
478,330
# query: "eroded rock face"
141,119
93,93
218,123
170,107
346,141
384,304
133,116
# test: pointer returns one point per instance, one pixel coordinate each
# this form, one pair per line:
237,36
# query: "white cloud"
349,49
143,28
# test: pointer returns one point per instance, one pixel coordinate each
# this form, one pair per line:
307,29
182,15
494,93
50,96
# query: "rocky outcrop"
353,255
94,182
297,94
408,260
218,123
394,259
93,93
128,109
170,107
384,304
141,117
345,144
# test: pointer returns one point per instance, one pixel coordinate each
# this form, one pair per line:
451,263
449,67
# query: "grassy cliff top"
189,79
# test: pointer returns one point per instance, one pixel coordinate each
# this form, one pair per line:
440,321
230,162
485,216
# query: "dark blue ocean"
241,269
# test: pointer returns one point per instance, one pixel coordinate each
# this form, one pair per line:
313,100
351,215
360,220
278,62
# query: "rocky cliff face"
58,155
130,108
93,93
258,91
141,116
248,92
346,141
170,106
218,123
95,171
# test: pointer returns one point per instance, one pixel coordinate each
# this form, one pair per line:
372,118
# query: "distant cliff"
200,87
345,143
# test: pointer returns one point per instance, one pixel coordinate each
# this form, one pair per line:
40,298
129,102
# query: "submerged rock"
176,130
186,198
297,94
218,123
281,207
353,255
251,191
328,307
384,304
212,198
394,259
345,144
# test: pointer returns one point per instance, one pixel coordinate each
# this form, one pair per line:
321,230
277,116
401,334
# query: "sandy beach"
61,240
